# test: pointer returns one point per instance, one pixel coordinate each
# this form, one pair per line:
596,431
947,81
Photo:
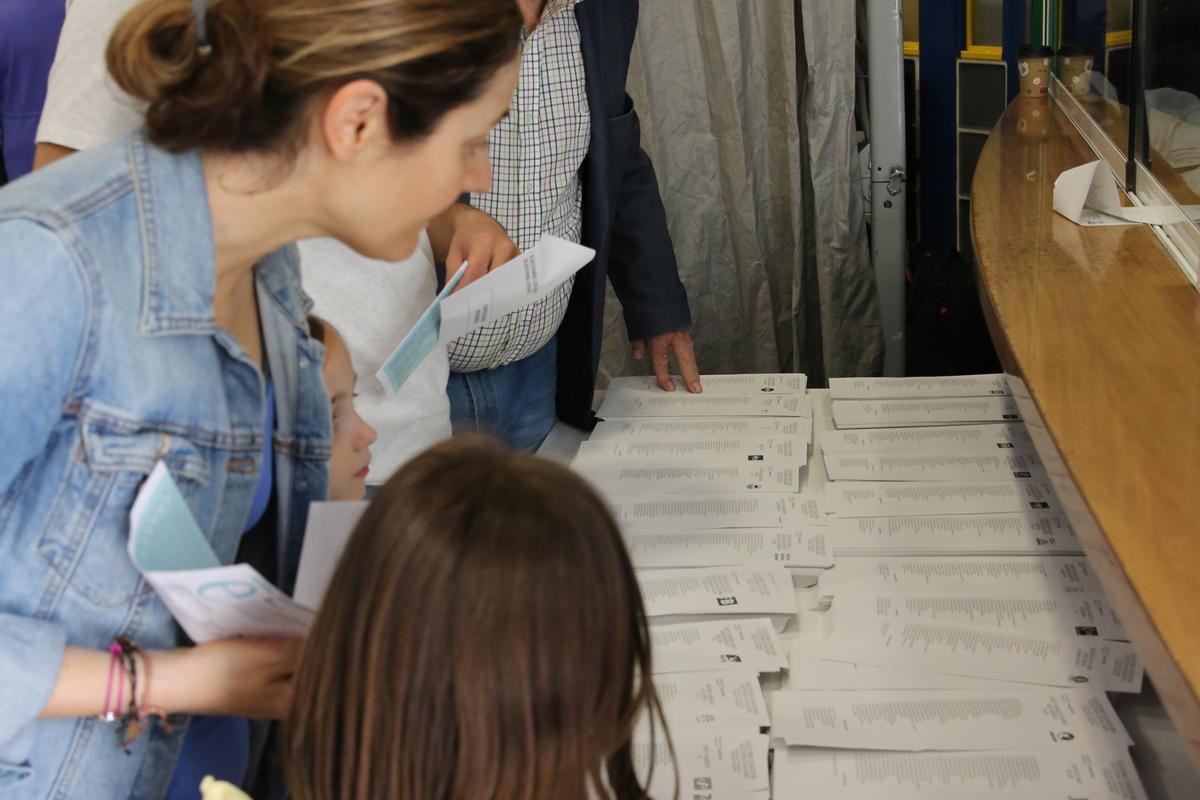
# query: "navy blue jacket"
623,217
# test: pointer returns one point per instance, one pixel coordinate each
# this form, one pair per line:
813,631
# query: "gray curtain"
747,110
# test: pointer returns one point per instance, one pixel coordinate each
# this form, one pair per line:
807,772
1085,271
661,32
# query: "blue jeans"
514,403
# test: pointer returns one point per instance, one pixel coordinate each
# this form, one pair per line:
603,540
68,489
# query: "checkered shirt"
536,154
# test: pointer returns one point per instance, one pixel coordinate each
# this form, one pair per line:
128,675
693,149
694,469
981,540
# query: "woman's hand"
245,677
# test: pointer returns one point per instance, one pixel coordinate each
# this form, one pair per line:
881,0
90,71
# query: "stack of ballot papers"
712,479
967,649
709,490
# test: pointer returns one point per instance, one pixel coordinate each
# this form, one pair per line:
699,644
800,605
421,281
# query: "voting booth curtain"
747,112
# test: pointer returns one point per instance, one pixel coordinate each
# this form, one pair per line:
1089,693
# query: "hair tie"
200,12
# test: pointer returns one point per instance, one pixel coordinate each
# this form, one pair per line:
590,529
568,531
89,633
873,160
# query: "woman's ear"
354,119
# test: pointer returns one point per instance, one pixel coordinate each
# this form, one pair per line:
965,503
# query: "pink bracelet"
109,712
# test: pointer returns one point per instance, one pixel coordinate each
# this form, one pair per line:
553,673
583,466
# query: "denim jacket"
111,359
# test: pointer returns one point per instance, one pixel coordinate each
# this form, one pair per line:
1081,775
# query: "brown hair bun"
264,61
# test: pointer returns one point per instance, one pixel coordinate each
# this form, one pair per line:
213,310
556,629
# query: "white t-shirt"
84,107
371,303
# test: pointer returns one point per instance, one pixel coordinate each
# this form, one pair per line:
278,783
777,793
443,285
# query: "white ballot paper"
692,512
325,535
770,450
1025,576
933,467
721,385
890,388
947,719
515,284
672,430
1008,438
1066,615
926,411
806,671
1087,195
1096,773
717,645
980,653
722,764
1023,533
633,478
621,403
209,601
719,592
703,700
720,547
899,499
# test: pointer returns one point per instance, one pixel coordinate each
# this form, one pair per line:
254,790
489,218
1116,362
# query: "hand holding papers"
209,601
1087,195
526,279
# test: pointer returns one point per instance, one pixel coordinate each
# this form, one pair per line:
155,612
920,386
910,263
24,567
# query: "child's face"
352,436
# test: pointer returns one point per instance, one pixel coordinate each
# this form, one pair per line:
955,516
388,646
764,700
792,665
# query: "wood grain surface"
1102,329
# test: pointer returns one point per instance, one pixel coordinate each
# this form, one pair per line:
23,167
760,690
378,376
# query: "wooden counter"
1103,330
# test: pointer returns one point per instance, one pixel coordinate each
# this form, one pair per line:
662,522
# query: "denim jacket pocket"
86,532
13,774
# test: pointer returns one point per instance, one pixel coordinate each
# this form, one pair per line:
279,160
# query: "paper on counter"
975,652
1014,576
787,547
717,645
636,479
947,719
771,450
715,592
515,284
705,700
923,412
692,512
1063,615
722,385
724,764
1087,195
656,429
620,404
208,600
933,467
325,535
806,671
419,342
1095,773
946,386
896,499
1027,532
1010,438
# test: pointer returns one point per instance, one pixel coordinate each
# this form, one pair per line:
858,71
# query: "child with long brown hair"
482,637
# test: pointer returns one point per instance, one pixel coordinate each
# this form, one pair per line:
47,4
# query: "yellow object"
213,789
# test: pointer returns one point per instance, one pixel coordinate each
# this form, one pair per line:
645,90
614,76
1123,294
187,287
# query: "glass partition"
1134,67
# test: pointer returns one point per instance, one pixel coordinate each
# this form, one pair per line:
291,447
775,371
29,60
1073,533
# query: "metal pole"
885,85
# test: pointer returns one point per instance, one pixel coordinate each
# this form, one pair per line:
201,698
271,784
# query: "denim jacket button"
303,362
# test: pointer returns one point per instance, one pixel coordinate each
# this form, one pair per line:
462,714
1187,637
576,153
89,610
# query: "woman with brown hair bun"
152,311
482,637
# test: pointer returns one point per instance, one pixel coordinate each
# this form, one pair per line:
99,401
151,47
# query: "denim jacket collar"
178,255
